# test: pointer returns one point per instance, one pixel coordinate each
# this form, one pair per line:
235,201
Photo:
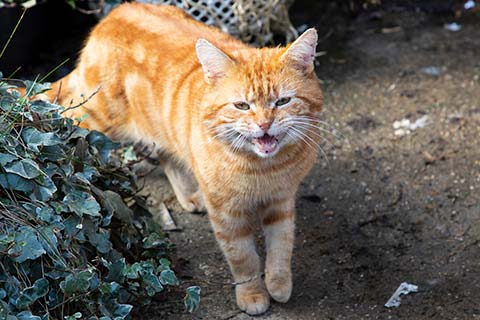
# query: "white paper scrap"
404,289
470,4
454,27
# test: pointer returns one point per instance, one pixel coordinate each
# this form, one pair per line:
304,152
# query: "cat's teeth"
266,144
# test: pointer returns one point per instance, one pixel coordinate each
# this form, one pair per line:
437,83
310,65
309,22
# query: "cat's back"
155,41
160,25
140,61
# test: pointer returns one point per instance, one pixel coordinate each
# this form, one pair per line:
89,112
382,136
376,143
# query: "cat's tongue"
266,144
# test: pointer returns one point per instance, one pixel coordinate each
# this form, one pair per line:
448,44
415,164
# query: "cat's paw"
193,204
252,298
279,286
197,200
188,206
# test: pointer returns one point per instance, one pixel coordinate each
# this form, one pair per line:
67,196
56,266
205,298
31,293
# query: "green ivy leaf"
76,315
15,182
192,298
45,214
25,168
27,246
48,239
132,271
168,277
117,271
121,311
99,239
74,228
77,282
44,107
45,190
34,138
103,144
82,203
109,288
6,158
33,88
164,264
79,133
153,283
154,240
4,310
32,294
113,202
27,315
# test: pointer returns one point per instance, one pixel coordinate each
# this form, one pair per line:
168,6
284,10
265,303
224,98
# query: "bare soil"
379,209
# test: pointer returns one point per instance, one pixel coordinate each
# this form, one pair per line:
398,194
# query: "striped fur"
158,83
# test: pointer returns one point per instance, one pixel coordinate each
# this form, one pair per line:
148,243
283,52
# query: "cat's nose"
265,125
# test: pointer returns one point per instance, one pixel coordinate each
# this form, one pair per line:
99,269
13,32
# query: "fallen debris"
454,27
470,4
432,71
404,289
391,30
405,126
167,221
427,156
329,213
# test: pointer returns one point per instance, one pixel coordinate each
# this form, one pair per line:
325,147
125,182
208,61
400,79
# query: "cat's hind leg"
184,186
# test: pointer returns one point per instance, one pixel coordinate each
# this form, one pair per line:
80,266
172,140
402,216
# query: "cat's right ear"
301,53
215,63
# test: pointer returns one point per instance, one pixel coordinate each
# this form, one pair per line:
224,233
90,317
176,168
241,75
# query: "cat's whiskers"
311,130
309,141
238,143
334,131
307,127
317,134
319,128
226,134
295,136
312,125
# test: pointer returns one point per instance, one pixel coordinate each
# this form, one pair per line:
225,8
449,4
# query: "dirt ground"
381,209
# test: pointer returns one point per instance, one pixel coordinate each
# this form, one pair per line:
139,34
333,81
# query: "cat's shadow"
343,252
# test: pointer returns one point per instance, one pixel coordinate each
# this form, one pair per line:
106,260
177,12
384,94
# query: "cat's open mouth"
266,144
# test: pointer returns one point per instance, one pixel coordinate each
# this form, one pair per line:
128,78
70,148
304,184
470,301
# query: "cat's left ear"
301,53
215,62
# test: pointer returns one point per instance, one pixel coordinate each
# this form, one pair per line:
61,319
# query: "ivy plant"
76,240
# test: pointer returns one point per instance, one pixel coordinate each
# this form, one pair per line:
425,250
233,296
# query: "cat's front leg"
234,233
279,225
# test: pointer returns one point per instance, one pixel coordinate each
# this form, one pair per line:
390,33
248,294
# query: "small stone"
328,213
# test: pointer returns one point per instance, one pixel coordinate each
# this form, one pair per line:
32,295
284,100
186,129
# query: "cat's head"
261,100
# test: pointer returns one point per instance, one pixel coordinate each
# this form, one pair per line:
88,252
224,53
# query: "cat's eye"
282,101
242,105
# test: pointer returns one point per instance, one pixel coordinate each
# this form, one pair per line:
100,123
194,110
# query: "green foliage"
71,246
192,299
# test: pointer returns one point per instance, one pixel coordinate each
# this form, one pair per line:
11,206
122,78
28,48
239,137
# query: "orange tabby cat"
237,126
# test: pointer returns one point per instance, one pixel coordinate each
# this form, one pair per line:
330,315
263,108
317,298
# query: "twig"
83,102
